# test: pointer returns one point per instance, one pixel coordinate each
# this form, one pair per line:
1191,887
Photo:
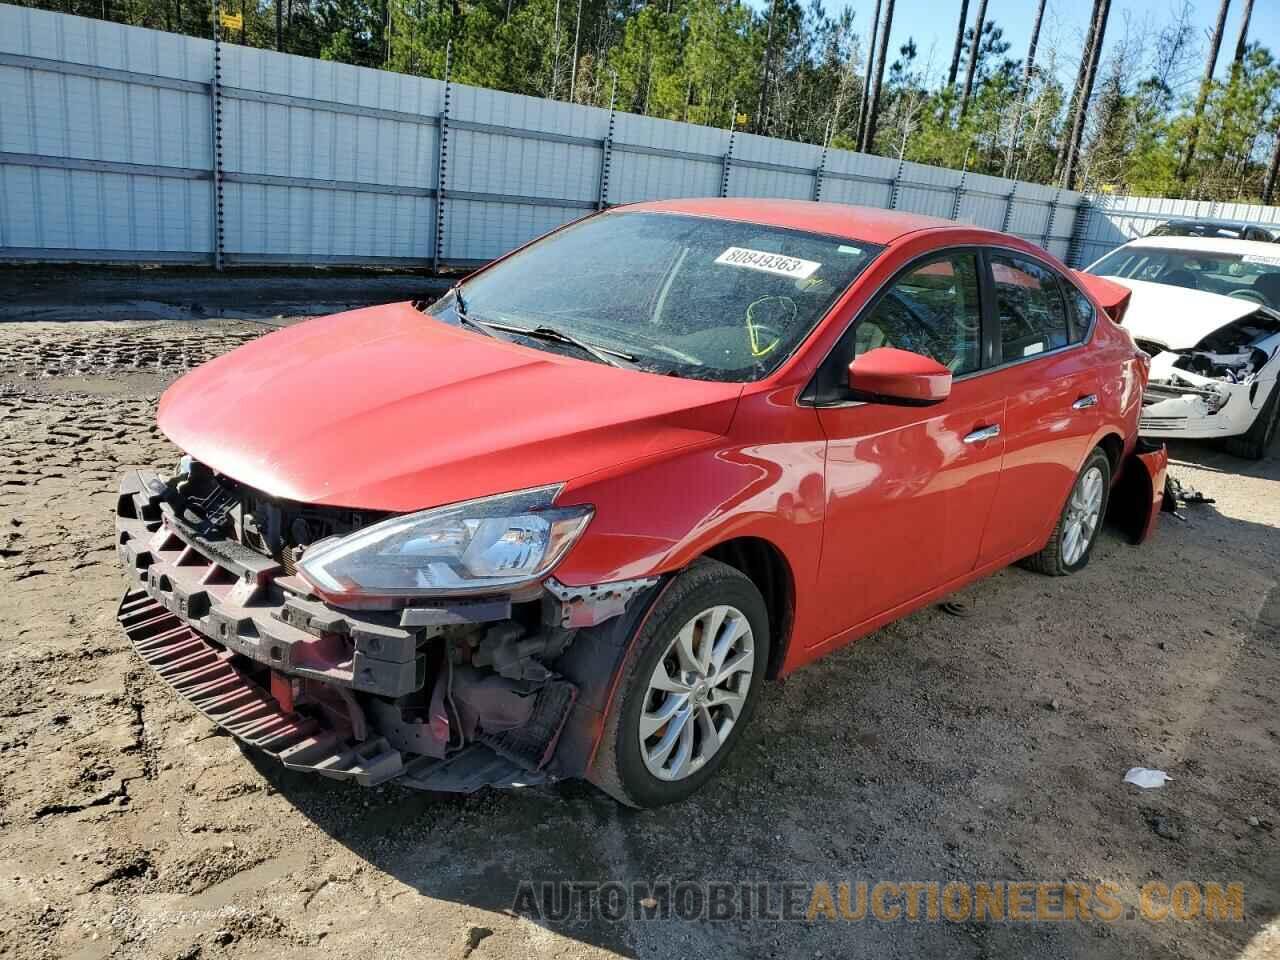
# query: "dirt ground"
986,746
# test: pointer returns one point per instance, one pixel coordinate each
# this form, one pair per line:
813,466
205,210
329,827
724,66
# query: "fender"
657,517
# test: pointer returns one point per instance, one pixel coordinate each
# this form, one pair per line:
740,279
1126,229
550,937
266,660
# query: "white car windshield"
1252,277
691,296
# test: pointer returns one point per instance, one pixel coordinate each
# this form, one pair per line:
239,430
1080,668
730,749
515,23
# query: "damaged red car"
567,520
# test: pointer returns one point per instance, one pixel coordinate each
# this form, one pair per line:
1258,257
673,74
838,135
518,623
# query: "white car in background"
1208,312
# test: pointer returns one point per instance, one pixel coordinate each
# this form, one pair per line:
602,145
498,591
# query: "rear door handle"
1084,403
983,433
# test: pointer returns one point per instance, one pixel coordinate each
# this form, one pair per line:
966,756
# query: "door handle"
983,433
1084,403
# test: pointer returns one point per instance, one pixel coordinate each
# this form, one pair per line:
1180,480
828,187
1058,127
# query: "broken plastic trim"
596,603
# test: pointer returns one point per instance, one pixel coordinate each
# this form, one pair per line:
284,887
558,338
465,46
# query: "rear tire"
697,715
1254,443
1072,540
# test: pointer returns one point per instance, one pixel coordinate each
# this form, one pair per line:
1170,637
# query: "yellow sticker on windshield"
775,263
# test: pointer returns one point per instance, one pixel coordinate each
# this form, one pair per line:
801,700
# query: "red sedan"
566,520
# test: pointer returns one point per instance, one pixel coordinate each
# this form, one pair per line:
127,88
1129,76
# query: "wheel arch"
763,563
1112,445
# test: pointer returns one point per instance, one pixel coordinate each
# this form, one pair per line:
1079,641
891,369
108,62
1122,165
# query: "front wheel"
1256,441
688,687
1072,540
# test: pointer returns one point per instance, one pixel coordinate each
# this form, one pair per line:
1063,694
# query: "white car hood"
1176,317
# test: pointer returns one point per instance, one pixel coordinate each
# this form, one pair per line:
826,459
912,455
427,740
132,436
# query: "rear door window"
1032,314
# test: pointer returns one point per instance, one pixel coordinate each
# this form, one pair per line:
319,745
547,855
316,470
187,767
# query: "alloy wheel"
696,693
1084,511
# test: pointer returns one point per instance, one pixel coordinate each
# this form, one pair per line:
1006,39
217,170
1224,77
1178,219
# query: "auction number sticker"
1262,261
774,263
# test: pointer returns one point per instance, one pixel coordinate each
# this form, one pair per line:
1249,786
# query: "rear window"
1253,276
1082,312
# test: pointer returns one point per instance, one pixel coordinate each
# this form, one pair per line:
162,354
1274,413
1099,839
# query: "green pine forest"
1162,110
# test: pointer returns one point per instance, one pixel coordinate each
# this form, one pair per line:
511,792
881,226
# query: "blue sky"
933,23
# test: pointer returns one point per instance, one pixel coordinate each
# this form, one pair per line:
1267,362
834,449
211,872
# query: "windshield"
692,296
1252,277
1187,228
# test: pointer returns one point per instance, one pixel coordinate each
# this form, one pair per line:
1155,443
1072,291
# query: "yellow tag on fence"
232,21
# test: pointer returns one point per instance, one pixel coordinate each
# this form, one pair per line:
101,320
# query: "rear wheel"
1072,541
1256,441
688,688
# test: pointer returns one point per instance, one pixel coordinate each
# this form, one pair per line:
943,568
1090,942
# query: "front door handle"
1084,403
983,433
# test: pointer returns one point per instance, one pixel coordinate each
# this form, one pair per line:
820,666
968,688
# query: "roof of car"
1228,245
866,224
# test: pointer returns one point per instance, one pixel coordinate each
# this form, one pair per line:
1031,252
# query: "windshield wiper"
460,311
615,358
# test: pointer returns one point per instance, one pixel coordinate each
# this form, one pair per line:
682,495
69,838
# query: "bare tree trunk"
555,56
1076,91
1035,41
1269,185
1025,92
1215,44
869,134
764,69
279,25
1243,40
955,53
866,83
1086,93
973,57
573,73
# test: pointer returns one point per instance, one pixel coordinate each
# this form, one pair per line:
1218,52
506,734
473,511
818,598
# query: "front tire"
688,688
1072,541
1254,442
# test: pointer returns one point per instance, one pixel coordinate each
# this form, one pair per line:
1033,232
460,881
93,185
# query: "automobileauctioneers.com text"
884,901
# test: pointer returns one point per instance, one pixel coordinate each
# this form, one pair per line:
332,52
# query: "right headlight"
478,546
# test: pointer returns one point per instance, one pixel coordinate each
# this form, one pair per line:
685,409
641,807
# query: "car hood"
385,408
1176,317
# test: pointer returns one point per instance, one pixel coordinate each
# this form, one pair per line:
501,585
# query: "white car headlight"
472,547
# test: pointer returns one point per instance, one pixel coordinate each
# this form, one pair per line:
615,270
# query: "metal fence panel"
106,153
104,139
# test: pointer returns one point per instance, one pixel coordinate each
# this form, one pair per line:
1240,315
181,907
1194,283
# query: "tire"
1061,555
620,767
1254,443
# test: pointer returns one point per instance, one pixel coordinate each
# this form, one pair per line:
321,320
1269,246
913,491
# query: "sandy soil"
989,746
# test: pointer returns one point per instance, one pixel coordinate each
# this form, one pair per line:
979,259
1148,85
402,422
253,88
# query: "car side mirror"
898,377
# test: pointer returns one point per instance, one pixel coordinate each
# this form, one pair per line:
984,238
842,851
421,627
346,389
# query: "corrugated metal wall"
106,153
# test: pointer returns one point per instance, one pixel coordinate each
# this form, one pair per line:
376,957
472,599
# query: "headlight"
472,547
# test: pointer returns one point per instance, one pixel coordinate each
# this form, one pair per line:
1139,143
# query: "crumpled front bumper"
209,616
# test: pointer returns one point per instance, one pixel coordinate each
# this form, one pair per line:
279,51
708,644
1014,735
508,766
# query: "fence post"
602,200
959,195
895,186
1053,212
1008,209
1075,246
727,163
822,164
215,116
442,159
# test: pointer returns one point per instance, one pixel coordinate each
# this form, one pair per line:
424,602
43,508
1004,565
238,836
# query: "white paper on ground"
1146,778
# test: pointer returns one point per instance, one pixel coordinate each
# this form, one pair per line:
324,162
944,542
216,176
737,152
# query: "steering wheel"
766,319
1251,295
